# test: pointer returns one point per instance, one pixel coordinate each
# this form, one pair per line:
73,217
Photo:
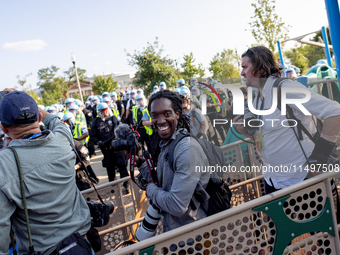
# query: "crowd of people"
56,205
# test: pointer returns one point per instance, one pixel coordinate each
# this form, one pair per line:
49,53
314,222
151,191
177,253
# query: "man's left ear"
40,116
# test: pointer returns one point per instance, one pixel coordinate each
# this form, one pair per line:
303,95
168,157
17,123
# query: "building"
123,80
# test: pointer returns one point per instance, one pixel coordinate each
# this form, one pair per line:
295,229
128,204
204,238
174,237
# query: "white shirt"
280,145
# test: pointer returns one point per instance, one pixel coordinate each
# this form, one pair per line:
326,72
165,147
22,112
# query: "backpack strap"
171,149
290,115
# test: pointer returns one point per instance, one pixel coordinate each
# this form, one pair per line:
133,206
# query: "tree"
102,84
189,68
23,80
297,58
53,87
34,95
224,66
267,27
71,75
152,67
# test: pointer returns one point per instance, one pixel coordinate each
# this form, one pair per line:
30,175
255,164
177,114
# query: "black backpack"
217,188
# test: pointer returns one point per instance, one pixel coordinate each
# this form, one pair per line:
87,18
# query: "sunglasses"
249,50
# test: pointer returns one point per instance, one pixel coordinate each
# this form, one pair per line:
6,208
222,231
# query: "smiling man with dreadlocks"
174,192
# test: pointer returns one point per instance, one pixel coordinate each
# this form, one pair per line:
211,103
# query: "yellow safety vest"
134,112
149,130
115,112
77,132
135,108
81,118
225,108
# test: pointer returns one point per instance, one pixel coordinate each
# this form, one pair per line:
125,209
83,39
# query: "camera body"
100,213
125,144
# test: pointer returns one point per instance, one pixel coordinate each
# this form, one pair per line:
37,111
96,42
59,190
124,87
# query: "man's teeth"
163,128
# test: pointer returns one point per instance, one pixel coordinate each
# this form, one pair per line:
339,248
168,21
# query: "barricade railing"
329,83
299,219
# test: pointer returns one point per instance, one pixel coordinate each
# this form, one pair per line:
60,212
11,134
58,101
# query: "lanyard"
33,136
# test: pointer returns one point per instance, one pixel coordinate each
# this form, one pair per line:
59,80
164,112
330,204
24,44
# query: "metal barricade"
299,219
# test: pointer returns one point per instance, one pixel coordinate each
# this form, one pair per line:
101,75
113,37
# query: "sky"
37,34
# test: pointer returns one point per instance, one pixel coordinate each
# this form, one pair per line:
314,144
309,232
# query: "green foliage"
297,58
102,84
76,96
224,66
267,27
53,87
189,68
71,75
152,67
23,80
54,91
34,95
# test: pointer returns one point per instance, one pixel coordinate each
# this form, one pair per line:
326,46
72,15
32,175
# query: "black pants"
111,161
144,137
90,147
269,188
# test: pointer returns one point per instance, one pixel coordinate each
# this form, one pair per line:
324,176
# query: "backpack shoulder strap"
277,84
171,149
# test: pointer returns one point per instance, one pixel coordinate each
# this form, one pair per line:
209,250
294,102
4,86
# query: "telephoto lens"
148,226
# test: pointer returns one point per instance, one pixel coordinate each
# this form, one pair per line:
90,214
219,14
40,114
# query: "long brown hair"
263,62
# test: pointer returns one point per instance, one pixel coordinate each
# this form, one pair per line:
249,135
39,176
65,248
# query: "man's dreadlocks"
183,121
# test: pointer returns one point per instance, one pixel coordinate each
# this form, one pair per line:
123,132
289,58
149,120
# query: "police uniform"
213,113
101,131
89,119
140,114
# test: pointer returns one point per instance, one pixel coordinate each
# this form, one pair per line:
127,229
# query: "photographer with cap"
281,145
56,209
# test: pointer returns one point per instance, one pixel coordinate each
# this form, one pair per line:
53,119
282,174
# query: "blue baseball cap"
17,107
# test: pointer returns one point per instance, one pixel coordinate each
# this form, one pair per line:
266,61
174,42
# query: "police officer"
102,133
119,104
78,129
68,103
129,105
162,86
113,107
142,119
95,102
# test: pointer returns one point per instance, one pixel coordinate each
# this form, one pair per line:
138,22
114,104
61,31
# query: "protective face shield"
60,115
162,85
52,110
113,96
104,111
140,100
95,100
193,81
133,94
87,103
105,95
177,90
195,91
68,105
180,82
69,119
155,88
140,92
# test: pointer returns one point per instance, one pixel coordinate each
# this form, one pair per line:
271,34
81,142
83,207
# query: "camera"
125,144
148,226
100,213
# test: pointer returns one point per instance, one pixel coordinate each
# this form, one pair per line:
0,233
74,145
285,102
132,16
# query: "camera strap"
31,247
83,165
151,167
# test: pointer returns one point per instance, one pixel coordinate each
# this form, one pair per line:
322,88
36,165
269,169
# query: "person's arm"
331,129
7,209
84,136
83,154
93,132
176,201
146,123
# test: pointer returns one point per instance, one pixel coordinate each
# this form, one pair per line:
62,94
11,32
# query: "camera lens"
111,205
119,145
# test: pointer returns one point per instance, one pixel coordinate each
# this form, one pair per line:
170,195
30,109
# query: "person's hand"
81,174
100,144
43,114
209,104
